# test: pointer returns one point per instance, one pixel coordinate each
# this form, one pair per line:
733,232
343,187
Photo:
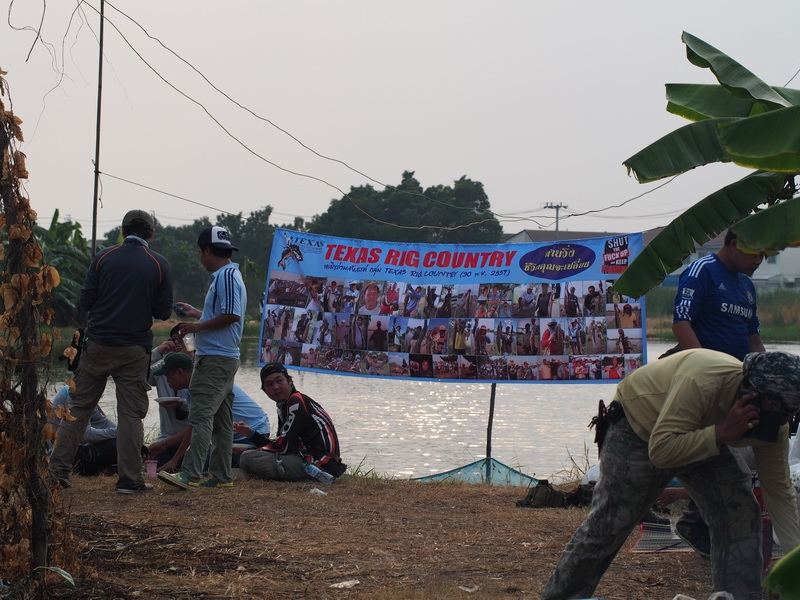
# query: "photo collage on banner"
572,329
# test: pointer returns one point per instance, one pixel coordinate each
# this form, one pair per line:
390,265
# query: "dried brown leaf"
20,283
45,344
62,412
50,277
20,170
47,316
32,255
19,232
9,295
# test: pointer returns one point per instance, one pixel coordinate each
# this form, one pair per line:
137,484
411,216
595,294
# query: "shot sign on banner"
538,312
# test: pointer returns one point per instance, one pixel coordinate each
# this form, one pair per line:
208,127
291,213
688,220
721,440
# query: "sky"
541,102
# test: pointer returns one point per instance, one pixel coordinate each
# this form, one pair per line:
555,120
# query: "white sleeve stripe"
697,265
232,291
682,310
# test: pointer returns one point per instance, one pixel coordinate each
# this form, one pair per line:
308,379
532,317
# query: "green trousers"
127,366
211,417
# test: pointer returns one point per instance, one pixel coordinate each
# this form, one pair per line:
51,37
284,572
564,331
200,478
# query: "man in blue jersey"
715,308
217,337
715,305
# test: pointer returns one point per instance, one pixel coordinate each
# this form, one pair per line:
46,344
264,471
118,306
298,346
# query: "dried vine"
28,508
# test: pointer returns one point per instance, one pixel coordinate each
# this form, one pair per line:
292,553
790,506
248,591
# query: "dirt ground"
399,539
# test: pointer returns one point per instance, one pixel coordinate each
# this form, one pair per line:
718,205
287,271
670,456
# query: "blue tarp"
476,472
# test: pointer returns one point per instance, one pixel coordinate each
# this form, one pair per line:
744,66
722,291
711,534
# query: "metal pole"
97,133
557,208
489,436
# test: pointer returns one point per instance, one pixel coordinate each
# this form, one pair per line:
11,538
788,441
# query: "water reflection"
412,428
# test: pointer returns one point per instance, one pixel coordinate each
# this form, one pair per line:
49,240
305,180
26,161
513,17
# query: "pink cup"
151,468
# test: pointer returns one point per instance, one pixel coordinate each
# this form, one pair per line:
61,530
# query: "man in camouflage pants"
675,418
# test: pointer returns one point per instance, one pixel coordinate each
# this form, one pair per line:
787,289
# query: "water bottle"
315,472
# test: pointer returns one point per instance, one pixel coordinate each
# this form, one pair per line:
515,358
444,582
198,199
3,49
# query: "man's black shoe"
144,487
696,536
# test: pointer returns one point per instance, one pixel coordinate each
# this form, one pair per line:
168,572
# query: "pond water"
410,428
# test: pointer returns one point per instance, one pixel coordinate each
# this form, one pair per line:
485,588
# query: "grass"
399,539
778,312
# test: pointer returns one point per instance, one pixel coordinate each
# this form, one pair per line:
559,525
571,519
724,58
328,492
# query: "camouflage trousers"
628,487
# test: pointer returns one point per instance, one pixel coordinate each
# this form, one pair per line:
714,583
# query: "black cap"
271,368
216,236
173,362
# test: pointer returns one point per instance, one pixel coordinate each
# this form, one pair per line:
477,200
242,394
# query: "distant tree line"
407,204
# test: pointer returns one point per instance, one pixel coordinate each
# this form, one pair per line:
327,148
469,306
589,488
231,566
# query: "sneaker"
145,487
651,518
696,536
64,482
178,480
216,483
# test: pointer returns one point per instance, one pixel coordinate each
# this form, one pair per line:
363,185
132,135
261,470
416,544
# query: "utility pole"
557,207
97,134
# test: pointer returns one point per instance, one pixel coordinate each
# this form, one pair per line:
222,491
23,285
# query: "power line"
323,181
623,203
171,195
508,217
237,103
796,73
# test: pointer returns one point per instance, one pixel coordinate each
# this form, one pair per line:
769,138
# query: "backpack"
543,495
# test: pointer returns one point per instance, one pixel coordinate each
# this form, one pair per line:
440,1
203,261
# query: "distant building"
781,271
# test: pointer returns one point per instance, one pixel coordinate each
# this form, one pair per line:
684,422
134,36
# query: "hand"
741,418
171,466
188,309
242,429
166,347
185,328
171,404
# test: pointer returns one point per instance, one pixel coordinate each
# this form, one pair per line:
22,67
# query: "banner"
544,313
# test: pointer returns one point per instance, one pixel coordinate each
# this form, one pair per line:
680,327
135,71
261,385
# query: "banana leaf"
700,223
783,579
697,102
770,141
685,148
740,81
771,229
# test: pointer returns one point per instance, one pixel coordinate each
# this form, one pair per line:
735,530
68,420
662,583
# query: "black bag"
95,458
580,496
543,495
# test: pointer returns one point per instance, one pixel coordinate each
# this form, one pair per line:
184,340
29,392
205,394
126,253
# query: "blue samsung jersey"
720,305
226,296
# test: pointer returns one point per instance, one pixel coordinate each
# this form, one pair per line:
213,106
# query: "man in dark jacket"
305,434
126,287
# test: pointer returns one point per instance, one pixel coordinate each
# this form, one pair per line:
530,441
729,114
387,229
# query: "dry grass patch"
400,539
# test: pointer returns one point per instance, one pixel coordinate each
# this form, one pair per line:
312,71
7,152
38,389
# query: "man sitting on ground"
173,416
305,434
177,368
